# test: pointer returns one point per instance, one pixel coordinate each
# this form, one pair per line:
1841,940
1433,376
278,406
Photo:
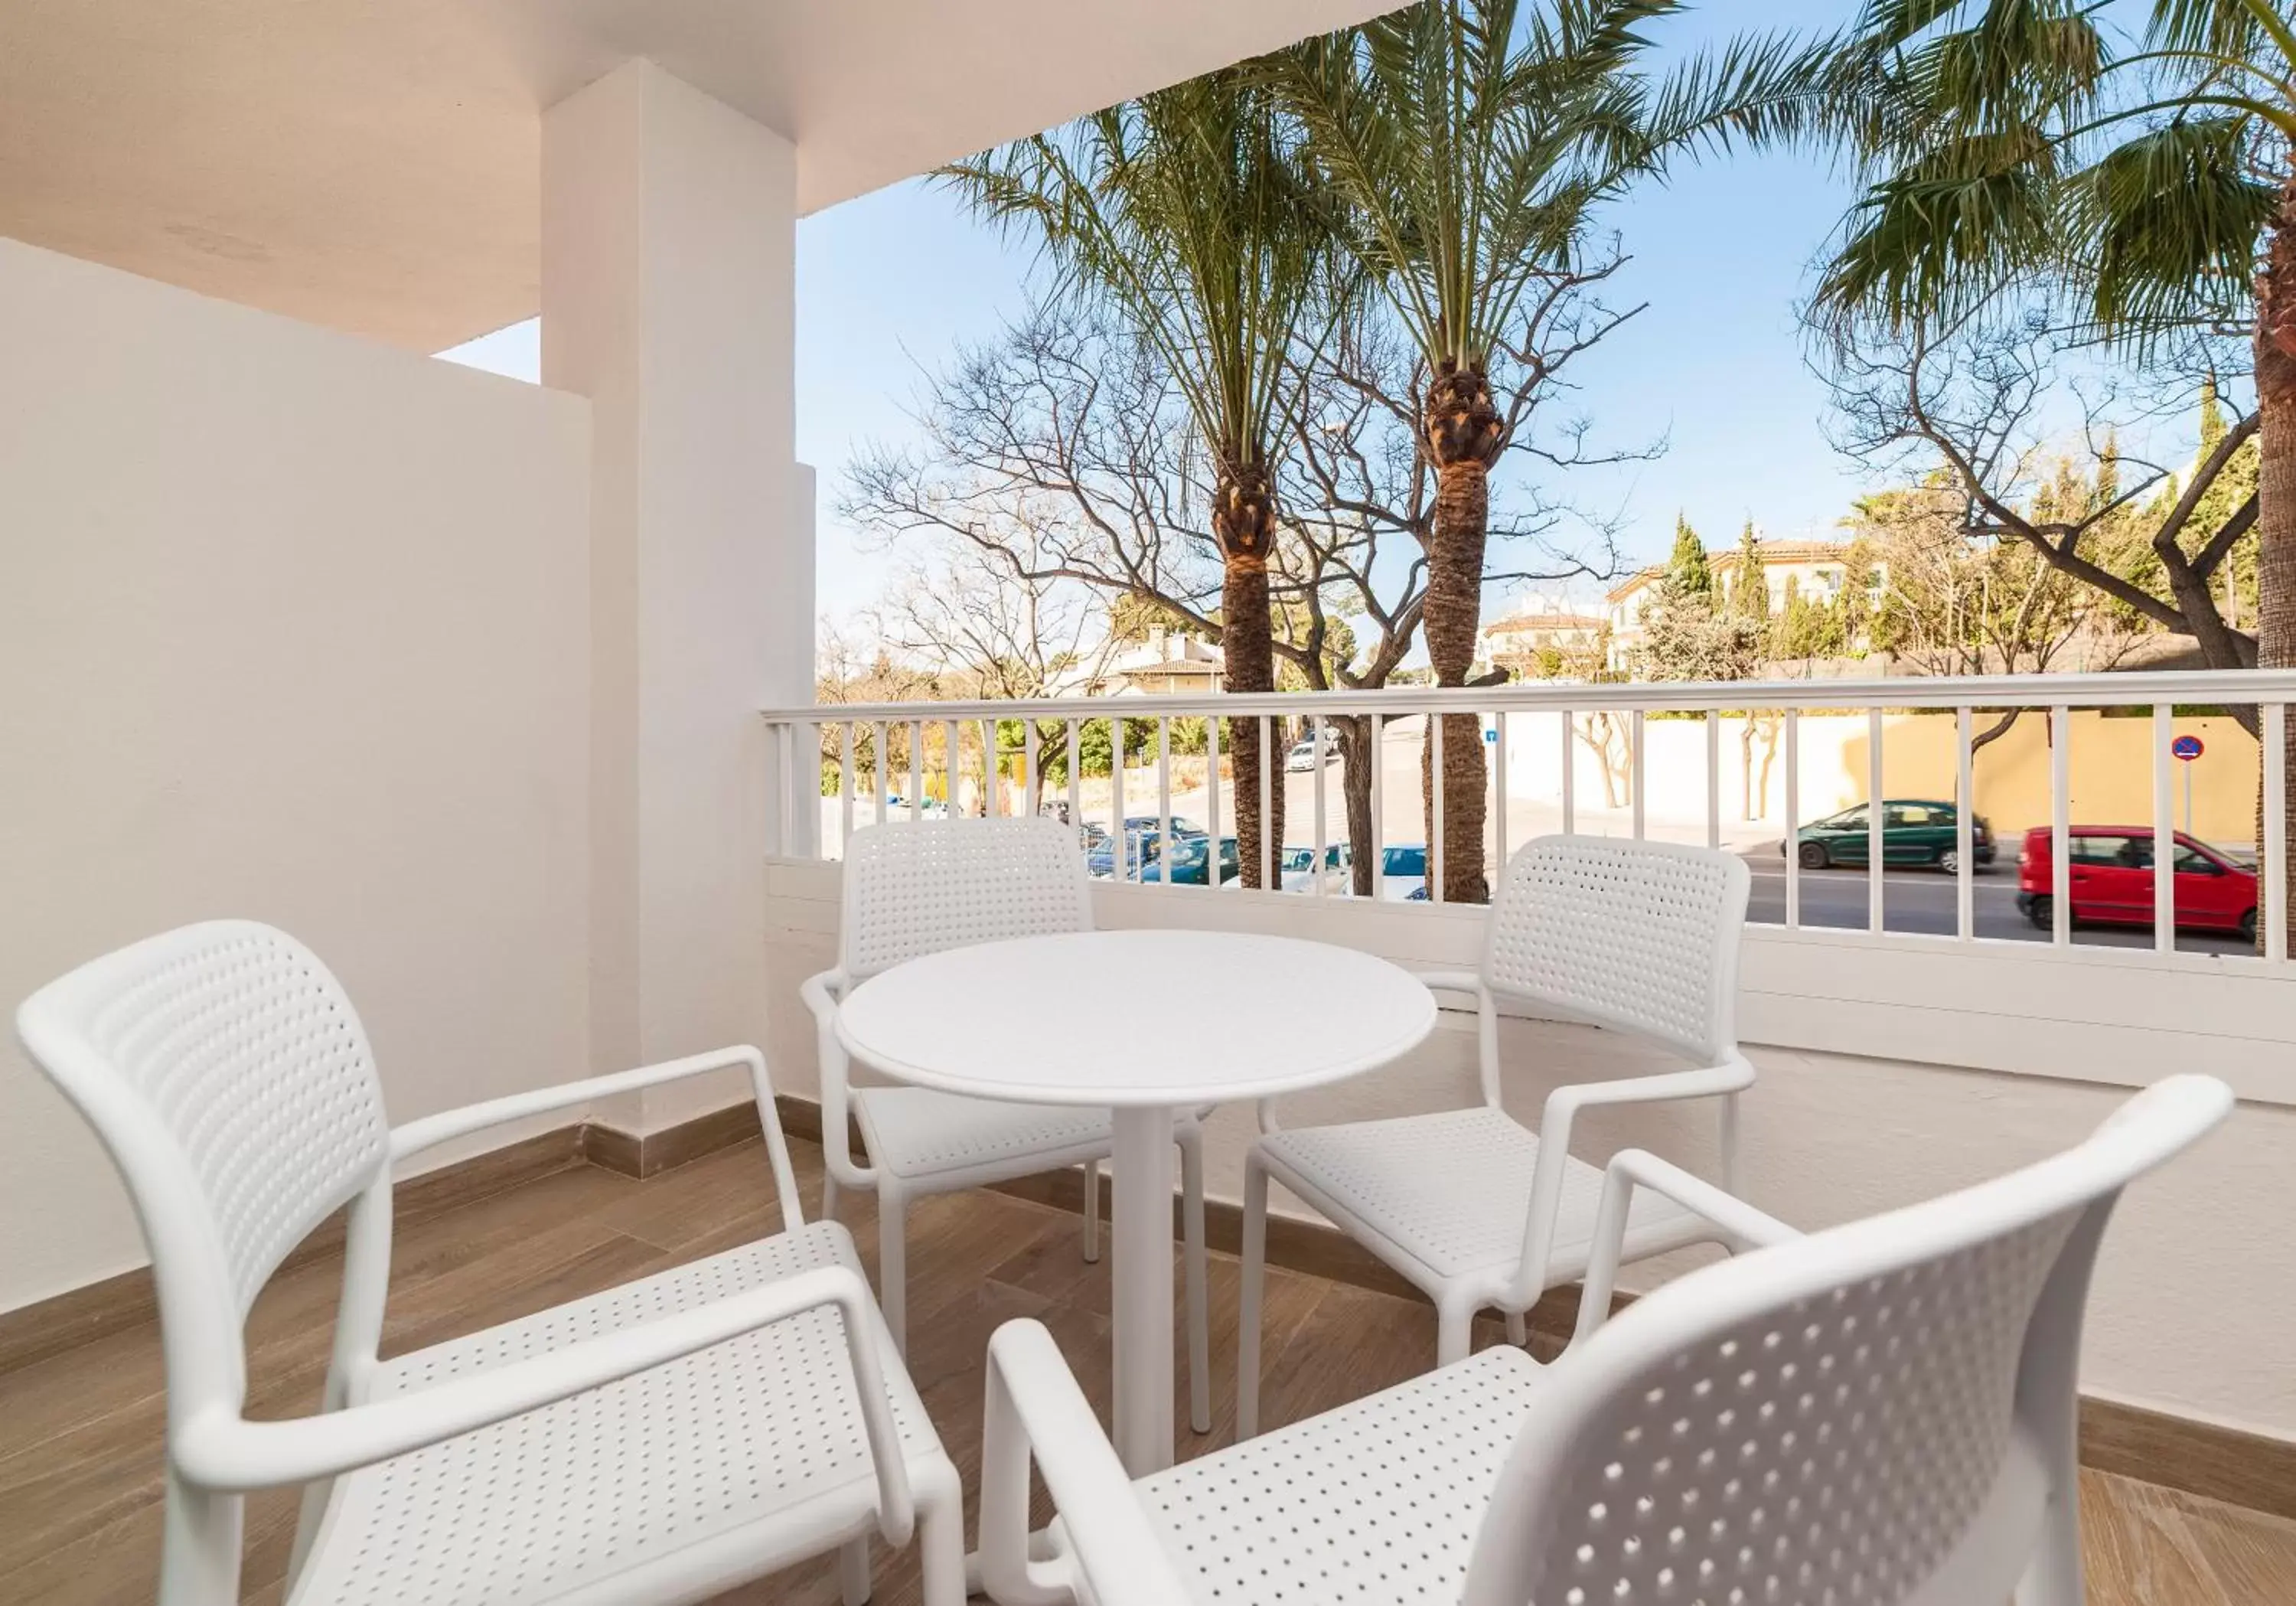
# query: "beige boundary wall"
2111,761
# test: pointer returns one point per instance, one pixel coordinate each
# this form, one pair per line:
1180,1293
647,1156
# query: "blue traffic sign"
2187,747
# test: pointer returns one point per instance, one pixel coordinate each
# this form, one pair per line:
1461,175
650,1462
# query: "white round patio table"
1148,1023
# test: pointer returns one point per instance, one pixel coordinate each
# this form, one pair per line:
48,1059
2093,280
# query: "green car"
1913,831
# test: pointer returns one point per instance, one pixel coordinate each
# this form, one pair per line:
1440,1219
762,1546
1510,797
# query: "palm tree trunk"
2275,514
1464,433
1358,761
1244,519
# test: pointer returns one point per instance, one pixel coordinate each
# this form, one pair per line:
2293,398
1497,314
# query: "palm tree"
1474,140
1189,215
2011,146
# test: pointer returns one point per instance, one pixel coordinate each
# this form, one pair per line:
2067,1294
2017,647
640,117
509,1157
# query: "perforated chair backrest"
914,889
226,1073
1876,1415
1639,936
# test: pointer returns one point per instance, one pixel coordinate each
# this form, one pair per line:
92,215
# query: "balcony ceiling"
370,164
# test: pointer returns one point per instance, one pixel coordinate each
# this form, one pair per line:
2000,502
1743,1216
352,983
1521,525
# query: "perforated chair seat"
684,1465
1377,1502
1451,1190
914,1132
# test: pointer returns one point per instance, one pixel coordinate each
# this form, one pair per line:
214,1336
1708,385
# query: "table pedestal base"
1143,1276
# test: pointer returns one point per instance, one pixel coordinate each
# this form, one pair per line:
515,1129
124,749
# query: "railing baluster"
2272,852
1876,854
1435,823
1315,738
952,748
882,774
1212,803
844,786
989,770
1032,785
1570,773
2060,844
1269,858
1634,751
1076,779
1498,785
917,770
1379,805
1965,828
1163,799
784,742
1714,776
1794,818
1120,850
2164,830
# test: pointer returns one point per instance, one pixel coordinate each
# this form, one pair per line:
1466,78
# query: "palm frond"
2174,217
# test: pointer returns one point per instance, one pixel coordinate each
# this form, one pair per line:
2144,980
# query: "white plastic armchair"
1880,1414
227,1071
917,889
1471,1206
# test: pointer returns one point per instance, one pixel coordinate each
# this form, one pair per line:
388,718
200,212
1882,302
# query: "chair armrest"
822,993
432,1130
216,1448
1732,1075
1745,1227
1036,1409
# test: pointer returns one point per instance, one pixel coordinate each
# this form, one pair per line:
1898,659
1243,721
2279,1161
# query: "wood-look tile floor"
81,1432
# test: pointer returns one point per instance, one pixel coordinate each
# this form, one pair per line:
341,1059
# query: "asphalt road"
1923,900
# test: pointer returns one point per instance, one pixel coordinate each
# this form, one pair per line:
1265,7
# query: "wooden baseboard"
2202,1458
2209,1459
656,1152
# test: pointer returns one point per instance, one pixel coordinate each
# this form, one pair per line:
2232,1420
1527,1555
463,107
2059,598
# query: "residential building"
1813,570
1537,626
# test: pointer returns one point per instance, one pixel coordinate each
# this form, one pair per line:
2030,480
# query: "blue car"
1188,863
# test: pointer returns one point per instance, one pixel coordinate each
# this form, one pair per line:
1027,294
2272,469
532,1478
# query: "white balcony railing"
1644,758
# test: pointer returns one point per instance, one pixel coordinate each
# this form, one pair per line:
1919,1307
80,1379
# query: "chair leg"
853,1581
1247,1315
893,1262
1200,1334
1091,1212
828,1197
940,1539
1518,1329
1455,1330
2054,1576
202,1536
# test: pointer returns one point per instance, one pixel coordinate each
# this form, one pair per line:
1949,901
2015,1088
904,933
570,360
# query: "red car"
2112,873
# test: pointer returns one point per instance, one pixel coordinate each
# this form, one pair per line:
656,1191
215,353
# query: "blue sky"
899,279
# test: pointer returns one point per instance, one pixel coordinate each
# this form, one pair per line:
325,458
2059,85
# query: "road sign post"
2186,748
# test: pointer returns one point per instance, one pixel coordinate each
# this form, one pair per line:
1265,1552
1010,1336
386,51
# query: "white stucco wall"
2195,1294
668,299
293,626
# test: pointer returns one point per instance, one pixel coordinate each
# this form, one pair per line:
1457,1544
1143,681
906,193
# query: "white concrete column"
668,278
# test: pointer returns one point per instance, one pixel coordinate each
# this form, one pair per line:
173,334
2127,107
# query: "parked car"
1140,851
1301,758
1913,831
1297,873
1188,861
1152,824
1403,873
2111,871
